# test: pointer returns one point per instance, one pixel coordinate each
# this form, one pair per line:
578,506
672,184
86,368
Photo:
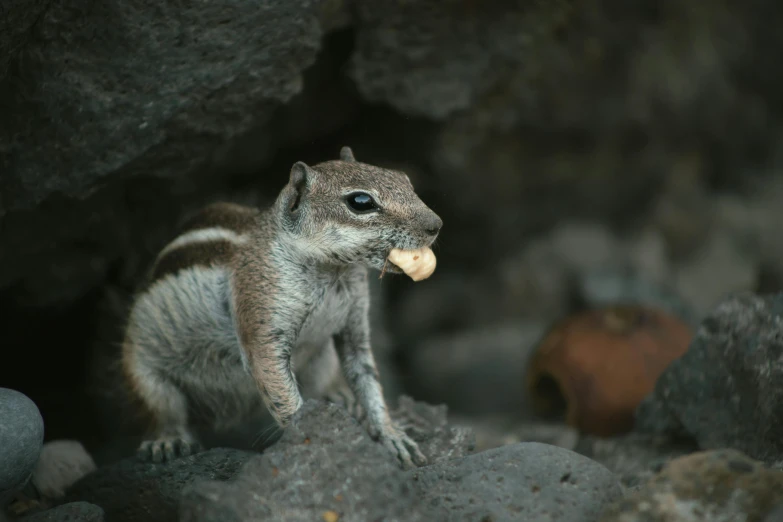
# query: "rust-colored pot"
598,365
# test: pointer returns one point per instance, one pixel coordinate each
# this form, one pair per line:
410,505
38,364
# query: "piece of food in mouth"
418,264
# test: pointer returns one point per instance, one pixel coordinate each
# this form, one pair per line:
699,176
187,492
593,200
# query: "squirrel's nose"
433,225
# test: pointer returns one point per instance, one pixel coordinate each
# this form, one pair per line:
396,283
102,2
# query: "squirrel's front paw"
167,449
401,445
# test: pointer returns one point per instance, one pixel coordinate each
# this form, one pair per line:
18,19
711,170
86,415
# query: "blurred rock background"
579,153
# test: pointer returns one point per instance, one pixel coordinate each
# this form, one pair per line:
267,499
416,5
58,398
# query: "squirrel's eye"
361,202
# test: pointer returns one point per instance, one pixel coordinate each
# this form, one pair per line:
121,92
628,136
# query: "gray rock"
71,512
325,463
428,425
726,391
21,438
133,490
525,481
19,16
61,464
776,515
387,45
634,458
719,486
438,59
79,73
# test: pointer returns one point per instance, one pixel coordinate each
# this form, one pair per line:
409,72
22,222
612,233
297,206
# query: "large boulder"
324,463
21,438
727,390
219,70
524,481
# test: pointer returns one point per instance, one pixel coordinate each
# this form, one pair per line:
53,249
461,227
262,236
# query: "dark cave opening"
47,352
548,398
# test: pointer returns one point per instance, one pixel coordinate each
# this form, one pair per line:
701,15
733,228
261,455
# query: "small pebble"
61,464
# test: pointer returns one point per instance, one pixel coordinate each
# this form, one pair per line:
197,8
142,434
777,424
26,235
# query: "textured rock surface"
525,481
400,48
726,391
429,426
326,466
323,447
634,458
71,512
133,490
223,62
720,486
21,437
325,462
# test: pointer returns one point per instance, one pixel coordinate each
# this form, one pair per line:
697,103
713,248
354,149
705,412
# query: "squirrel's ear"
297,185
346,154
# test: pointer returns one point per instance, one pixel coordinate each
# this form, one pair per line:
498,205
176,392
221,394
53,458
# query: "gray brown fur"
214,253
239,218
248,310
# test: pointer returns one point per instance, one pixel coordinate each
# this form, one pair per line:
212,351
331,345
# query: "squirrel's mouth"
418,264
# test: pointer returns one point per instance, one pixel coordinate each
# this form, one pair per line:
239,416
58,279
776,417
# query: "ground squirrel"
248,309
